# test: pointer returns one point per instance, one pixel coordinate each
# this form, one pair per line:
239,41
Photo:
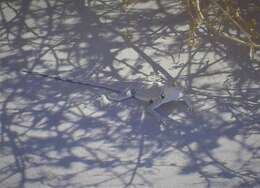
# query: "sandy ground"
58,134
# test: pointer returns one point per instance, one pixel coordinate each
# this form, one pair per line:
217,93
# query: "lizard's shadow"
173,107
152,126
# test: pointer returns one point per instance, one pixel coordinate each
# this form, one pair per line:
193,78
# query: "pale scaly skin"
155,95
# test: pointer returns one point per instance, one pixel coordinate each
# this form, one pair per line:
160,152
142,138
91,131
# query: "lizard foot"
190,109
165,121
103,101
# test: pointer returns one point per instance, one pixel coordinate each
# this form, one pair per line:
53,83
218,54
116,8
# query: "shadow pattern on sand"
57,134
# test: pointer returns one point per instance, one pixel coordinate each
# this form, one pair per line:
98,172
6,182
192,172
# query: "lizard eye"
162,96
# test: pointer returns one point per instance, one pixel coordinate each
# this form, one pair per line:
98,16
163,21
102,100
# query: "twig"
252,43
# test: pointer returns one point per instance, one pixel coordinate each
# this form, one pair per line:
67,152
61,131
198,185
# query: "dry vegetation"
233,20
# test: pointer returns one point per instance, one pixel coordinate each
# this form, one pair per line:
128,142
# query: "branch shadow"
56,134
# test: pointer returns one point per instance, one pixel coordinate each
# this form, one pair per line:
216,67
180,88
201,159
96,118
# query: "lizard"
155,95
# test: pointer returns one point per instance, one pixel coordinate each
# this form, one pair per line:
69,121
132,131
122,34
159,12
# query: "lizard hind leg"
126,94
129,92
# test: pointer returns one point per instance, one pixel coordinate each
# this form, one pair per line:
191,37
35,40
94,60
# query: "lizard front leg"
188,102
